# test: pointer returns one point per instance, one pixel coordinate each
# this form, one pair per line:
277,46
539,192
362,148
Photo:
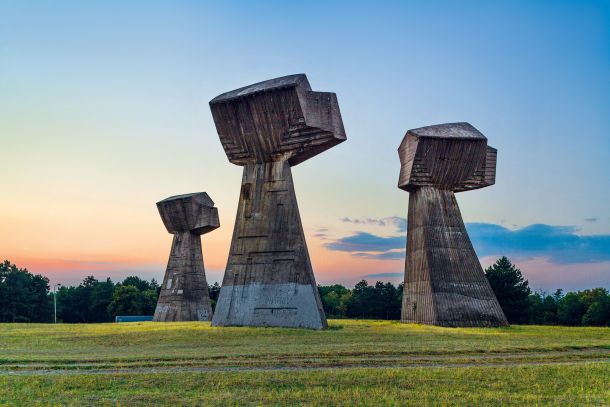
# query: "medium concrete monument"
267,128
444,282
184,294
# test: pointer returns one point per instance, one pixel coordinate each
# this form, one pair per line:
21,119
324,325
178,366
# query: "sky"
104,111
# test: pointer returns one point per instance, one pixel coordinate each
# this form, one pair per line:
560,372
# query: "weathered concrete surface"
444,282
267,127
184,294
278,119
282,305
269,280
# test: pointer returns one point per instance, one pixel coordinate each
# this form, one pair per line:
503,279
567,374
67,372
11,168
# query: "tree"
149,301
551,304
511,290
343,301
597,304
101,296
333,299
23,296
536,308
154,285
41,302
571,309
214,291
149,294
390,300
15,303
137,282
359,302
598,313
382,301
126,300
74,304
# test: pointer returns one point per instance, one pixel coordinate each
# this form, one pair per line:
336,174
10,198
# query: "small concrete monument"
444,282
184,294
267,128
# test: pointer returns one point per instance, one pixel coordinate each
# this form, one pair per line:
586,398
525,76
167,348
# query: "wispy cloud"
399,223
366,242
321,233
384,275
389,255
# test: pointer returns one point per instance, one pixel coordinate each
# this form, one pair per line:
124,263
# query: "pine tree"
511,290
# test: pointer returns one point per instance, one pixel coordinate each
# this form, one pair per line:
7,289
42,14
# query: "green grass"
529,385
353,362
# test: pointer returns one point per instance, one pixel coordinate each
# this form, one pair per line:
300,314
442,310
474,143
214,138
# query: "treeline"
379,301
522,306
101,301
25,297
519,303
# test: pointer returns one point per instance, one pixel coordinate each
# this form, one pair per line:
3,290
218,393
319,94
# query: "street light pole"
55,301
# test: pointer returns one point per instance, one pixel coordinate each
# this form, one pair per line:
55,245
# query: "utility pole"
55,301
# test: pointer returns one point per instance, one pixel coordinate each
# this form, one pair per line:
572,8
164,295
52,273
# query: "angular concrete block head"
277,119
444,282
452,156
189,212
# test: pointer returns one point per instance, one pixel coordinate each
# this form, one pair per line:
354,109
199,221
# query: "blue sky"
562,244
104,111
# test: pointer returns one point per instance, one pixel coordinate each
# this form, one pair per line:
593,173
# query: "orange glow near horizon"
329,266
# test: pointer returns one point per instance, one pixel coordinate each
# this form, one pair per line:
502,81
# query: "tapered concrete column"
444,281
269,127
269,280
184,293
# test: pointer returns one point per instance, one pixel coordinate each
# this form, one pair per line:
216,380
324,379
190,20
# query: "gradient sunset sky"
104,111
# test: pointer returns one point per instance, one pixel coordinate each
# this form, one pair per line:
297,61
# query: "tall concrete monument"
444,282
184,294
267,128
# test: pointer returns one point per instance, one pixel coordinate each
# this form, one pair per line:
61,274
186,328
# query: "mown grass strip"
581,384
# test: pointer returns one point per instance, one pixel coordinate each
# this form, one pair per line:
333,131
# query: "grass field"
353,362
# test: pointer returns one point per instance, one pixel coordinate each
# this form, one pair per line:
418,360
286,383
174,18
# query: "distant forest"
25,297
